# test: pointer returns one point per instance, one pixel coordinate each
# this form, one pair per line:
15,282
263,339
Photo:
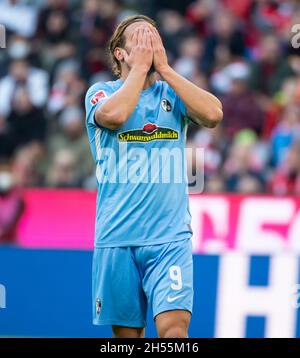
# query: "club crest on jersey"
148,133
97,97
166,105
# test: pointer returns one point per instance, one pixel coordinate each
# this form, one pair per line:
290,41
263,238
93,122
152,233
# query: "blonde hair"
118,39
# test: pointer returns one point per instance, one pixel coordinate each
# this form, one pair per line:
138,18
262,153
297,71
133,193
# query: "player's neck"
150,79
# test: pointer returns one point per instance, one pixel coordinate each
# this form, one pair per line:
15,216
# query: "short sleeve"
181,105
95,96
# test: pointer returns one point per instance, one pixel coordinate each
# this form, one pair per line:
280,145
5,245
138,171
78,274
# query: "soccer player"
143,250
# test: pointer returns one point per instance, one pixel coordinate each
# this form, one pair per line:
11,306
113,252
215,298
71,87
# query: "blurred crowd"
238,49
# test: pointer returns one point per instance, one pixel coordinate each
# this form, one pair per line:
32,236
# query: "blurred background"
247,222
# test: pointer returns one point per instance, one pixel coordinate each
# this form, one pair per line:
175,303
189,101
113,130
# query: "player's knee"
126,332
173,324
178,331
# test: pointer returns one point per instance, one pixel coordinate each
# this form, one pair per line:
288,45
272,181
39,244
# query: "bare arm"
117,109
203,107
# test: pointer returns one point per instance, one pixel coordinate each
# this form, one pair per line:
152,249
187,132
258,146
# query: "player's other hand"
141,54
160,59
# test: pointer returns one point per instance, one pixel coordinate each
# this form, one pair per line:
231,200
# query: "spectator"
54,20
213,143
6,140
240,8
27,123
243,162
72,137
215,184
67,89
286,179
289,68
18,17
21,74
190,54
198,14
249,184
63,172
227,36
173,30
240,107
285,133
18,48
266,69
11,204
273,15
26,165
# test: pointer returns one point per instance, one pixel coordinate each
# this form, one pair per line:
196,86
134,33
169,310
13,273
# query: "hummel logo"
172,299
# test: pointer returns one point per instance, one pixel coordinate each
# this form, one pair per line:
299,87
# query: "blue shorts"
126,280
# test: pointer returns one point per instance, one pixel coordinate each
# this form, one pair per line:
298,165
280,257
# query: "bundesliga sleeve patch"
98,96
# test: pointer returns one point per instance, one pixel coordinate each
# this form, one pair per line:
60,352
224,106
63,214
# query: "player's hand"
141,54
159,52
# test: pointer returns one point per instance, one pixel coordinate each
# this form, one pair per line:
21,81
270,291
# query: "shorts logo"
148,133
98,306
166,105
97,97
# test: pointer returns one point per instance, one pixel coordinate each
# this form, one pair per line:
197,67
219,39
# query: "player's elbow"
117,120
110,119
214,117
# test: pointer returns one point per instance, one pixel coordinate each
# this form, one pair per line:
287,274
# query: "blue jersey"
140,168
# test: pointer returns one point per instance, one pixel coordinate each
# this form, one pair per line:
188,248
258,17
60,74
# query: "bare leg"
128,332
173,324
